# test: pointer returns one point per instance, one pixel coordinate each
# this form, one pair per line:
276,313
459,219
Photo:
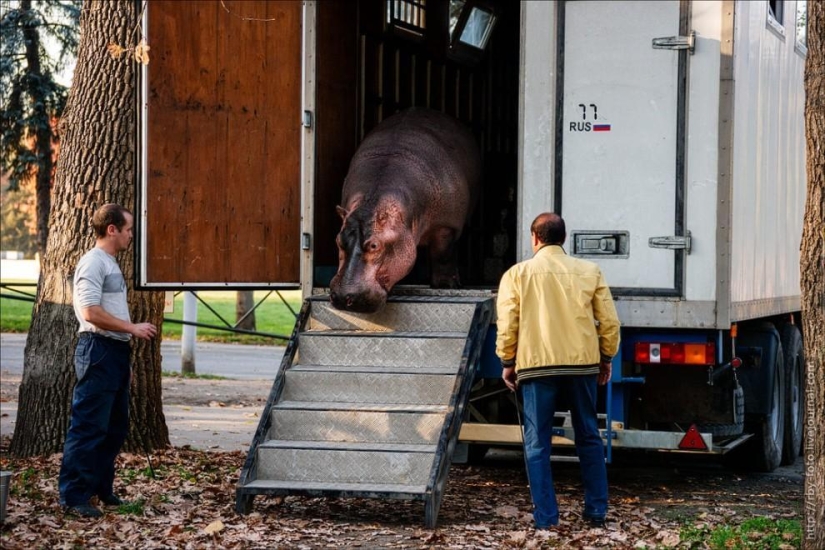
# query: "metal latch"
671,242
306,241
306,120
601,244
676,42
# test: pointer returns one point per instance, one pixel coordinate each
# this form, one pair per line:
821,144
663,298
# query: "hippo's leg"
443,259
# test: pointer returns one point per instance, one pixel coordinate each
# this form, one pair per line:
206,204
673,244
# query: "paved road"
230,360
229,428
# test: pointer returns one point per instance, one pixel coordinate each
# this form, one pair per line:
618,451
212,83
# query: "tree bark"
43,136
812,271
97,165
244,314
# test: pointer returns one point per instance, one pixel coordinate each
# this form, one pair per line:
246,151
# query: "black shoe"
85,510
112,500
594,521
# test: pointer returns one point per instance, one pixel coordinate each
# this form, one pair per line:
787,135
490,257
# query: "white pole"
187,340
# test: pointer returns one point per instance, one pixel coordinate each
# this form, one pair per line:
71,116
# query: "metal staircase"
368,405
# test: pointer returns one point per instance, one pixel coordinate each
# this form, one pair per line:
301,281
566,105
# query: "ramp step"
316,348
368,388
371,369
337,466
414,315
356,426
385,334
371,407
354,489
349,446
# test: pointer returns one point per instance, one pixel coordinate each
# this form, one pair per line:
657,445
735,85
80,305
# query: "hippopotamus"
412,182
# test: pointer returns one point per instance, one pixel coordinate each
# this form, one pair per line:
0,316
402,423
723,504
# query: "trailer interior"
461,57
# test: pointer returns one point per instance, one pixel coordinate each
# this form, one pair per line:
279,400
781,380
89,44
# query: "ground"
656,502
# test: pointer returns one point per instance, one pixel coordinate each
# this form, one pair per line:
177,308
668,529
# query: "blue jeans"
539,399
100,419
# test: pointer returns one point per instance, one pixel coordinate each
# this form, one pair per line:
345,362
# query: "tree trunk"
97,165
43,137
812,271
244,314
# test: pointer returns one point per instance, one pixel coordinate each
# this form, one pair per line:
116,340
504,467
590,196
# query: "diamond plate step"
372,369
344,466
318,348
395,316
361,387
349,446
418,428
343,489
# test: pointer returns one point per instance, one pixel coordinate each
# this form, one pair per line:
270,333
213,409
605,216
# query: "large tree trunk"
813,282
97,165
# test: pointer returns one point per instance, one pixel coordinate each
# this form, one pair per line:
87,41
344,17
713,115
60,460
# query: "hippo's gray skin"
412,182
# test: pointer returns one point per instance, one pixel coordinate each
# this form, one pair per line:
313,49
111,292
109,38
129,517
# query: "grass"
272,316
754,533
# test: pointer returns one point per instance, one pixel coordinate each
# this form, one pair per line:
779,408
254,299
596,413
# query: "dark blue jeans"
100,419
539,398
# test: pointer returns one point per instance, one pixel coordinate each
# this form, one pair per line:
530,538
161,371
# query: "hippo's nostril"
350,300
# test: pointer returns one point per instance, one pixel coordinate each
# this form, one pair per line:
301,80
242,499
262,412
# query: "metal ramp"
368,405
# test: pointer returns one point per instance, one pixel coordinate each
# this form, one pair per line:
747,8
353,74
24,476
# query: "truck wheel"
738,424
769,430
794,386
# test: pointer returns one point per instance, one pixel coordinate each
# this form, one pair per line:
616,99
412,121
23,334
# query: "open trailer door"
620,147
220,149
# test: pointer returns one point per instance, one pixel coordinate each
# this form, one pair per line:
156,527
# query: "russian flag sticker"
601,127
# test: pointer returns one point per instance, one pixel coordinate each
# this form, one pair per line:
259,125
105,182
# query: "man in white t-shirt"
100,405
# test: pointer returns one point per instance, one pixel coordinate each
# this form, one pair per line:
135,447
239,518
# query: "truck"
668,134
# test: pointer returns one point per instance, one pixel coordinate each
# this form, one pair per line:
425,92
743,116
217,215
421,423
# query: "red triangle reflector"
693,440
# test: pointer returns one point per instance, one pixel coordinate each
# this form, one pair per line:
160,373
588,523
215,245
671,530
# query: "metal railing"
13,291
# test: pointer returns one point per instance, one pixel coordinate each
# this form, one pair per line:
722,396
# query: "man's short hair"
549,228
106,215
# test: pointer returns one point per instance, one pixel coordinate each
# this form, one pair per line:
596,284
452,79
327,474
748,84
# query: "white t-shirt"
98,281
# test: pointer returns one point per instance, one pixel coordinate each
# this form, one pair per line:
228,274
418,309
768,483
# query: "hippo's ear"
341,212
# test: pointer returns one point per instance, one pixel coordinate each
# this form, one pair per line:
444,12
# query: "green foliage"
38,38
754,533
132,508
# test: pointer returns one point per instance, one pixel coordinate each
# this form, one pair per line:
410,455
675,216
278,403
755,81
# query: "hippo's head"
375,251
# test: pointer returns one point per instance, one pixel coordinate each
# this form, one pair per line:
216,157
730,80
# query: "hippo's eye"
371,246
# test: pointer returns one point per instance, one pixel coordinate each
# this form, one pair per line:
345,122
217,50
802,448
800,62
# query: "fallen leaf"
214,527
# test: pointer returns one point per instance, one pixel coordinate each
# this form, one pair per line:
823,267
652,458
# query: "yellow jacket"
555,316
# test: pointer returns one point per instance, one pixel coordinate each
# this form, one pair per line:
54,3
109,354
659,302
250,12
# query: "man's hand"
605,370
508,374
144,331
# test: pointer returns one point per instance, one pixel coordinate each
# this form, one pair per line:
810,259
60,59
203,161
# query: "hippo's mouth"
359,303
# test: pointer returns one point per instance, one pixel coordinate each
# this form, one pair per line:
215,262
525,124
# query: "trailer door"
220,148
620,146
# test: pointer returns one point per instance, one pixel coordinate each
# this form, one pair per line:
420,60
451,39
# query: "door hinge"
676,42
306,120
671,242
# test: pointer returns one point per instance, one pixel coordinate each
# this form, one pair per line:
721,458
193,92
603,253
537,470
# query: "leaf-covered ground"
190,504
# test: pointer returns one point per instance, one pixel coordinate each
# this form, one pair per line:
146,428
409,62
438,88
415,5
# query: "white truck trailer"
669,135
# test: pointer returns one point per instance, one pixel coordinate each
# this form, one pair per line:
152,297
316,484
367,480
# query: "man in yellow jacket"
557,334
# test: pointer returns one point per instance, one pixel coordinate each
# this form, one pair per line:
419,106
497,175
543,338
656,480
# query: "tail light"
678,353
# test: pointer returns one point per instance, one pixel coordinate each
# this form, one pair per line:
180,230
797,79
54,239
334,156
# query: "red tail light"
678,353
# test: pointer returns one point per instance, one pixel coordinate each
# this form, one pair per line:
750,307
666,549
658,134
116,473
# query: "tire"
794,391
765,455
738,425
